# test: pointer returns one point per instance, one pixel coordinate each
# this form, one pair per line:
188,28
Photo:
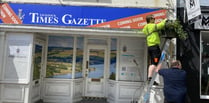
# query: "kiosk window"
59,57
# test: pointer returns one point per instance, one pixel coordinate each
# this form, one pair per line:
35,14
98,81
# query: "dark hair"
149,18
175,63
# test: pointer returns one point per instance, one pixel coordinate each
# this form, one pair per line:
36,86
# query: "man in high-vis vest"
153,41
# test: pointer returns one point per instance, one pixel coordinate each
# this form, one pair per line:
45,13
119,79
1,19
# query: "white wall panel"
126,92
13,93
53,89
123,92
111,90
132,59
16,67
78,90
18,56
35,93
63,91
57,90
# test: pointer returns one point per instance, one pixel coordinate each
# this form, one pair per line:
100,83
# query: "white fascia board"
74,31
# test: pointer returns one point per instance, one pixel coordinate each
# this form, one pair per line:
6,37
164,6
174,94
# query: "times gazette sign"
79,16
203,23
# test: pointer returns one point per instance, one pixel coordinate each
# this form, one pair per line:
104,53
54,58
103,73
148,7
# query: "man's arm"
161,25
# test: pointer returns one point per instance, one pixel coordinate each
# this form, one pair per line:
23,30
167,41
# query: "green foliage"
174,26
112,76
37,67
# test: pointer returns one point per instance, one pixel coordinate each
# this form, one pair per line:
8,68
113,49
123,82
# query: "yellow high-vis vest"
151,31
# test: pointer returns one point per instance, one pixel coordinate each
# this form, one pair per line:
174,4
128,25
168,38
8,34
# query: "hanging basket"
168,34
173,29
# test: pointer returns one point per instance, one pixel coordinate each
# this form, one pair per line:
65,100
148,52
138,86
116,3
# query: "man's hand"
159,66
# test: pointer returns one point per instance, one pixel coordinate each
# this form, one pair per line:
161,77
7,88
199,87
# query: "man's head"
150,19
176,64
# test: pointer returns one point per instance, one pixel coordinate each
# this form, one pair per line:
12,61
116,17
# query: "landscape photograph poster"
113,56
77,16
37,62
96,63
79,57
59,57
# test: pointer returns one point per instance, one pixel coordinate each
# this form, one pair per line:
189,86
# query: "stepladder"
148,86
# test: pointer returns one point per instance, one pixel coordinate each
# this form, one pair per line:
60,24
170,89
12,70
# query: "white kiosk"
61,57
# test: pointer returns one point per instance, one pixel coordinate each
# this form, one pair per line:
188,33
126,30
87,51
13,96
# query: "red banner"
134,22
8,16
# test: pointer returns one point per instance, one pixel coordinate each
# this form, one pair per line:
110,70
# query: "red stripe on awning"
8,16
133,22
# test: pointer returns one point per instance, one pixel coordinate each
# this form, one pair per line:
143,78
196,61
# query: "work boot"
155,83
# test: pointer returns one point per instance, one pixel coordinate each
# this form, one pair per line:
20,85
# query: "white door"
95,71
38,56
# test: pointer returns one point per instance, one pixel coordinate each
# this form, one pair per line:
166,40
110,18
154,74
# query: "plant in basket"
174,29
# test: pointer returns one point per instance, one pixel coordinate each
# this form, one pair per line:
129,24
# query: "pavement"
87,100
93,100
